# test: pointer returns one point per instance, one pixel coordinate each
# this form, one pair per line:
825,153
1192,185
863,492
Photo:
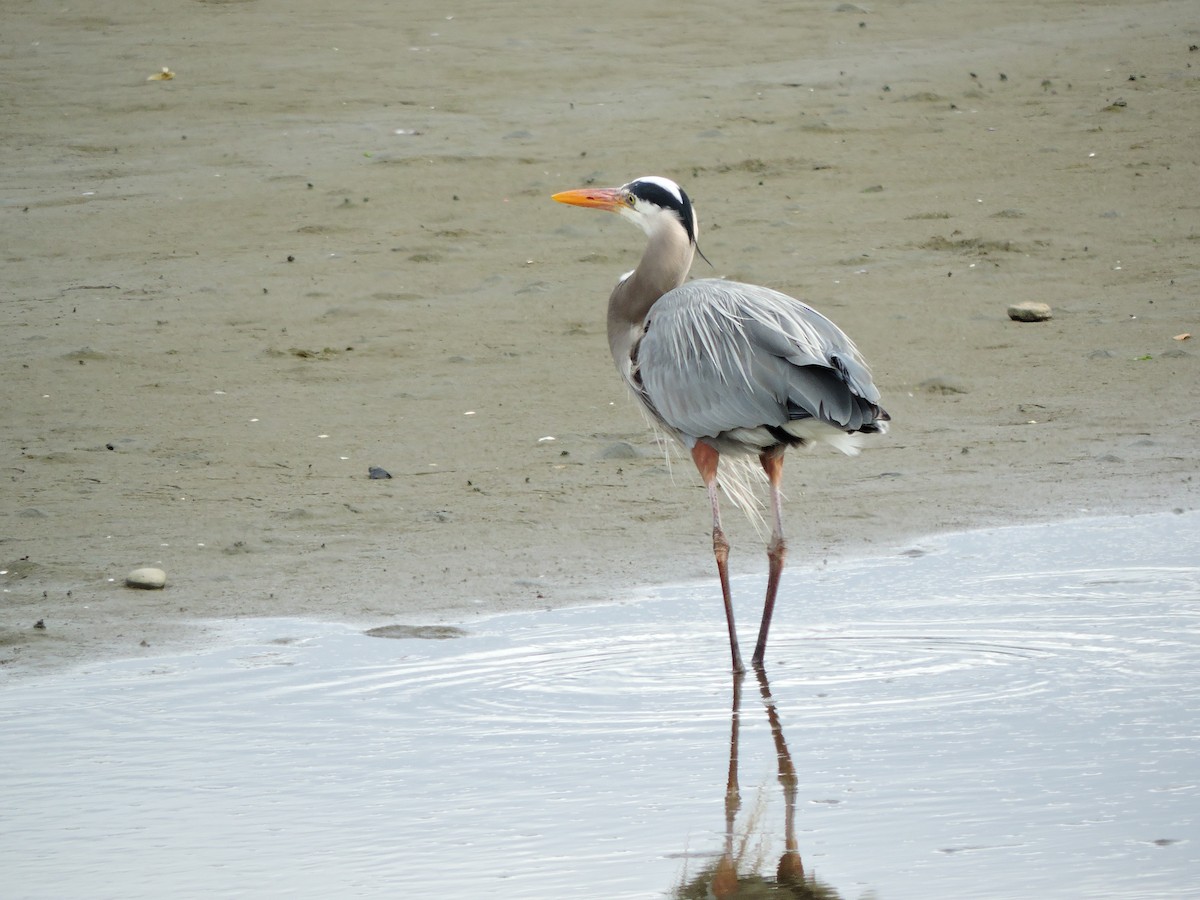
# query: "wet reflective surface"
1013,713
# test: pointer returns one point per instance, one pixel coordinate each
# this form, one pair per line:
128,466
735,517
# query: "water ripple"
956,726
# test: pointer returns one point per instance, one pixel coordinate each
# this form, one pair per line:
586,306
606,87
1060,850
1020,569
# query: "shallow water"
1008,713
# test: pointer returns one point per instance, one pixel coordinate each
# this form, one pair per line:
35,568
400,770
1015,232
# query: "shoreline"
170,636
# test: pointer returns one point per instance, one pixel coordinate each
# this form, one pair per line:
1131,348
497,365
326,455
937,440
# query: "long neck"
663,267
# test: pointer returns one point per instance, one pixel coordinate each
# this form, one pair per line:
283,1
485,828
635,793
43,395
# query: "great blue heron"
728,368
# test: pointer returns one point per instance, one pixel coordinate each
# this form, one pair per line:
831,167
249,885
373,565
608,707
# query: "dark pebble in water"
420,632
376,472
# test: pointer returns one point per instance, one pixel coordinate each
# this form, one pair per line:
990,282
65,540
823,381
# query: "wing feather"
719,356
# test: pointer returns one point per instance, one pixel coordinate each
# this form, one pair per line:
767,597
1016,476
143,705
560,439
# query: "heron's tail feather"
814,431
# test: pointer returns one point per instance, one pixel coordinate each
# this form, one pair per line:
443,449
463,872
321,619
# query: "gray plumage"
728,362
728,368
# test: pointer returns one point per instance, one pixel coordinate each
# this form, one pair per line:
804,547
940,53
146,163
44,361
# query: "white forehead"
665,183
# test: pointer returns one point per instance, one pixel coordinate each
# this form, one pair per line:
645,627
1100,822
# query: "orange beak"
594,198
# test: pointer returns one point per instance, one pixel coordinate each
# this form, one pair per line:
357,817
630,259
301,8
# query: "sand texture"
326,243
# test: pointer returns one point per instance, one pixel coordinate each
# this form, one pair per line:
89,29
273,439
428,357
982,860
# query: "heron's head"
652,203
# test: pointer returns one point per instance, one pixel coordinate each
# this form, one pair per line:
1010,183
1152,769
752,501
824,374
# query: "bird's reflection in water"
734,874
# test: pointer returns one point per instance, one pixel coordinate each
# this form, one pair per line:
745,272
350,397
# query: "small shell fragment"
1183,337
165,75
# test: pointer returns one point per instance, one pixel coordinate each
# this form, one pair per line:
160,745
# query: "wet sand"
327,243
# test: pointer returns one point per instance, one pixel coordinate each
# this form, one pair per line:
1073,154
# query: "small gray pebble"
620,450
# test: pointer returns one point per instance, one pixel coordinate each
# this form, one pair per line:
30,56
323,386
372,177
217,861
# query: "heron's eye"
630,201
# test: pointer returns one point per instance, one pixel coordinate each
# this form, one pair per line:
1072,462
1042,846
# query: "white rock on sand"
1029,311
149,578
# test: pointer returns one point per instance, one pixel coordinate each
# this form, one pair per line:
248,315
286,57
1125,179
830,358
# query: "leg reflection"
725,877
791,867
733,875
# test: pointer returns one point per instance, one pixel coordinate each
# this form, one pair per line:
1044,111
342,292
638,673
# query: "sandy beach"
326,243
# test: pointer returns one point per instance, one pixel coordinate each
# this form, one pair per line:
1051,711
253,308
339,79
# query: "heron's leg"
706,459
772,463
